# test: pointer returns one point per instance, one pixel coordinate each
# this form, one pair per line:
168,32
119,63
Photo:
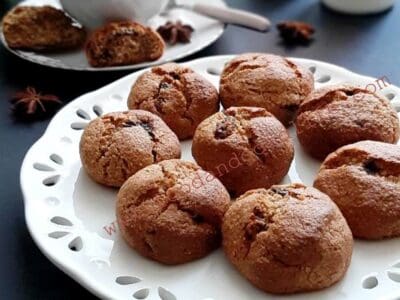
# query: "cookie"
287,239
180,96
172,212
115,146
363,179
245,147
41,28
338,115
265,80
123,43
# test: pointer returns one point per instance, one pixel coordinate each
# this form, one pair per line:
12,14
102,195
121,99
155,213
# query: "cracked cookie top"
265,80
172,211
115,146
123,43
245,147
289,238
338,115
364,180
180,96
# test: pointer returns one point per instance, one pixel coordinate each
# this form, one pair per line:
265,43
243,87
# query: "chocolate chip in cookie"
338,115
116,145
123,43
245,147
264,80
363,179
180,96
172,211
297,243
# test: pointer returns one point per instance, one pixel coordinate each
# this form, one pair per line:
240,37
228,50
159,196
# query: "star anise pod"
31,104
295,32
175,32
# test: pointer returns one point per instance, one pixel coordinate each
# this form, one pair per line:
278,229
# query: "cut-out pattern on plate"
56,158
394,275
66,139
79,237
58,234
52,201
126,280
313,69
100,263
390,96
82,114
61,221
51,181
396,106
78,125
117,97
394,272
324,79
165,294
214,71
97,110
76,244
370,282
141,294
85,116
43,167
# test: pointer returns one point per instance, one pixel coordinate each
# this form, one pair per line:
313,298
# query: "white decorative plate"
206,32
72,219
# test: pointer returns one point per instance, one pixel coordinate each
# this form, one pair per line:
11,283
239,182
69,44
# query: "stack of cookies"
282,238
46,28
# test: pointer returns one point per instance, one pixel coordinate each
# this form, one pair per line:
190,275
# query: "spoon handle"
233,16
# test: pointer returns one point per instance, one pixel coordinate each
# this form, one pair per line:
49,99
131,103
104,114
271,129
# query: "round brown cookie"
172,211
245,147
265,80
118,144
123,43
287,239
41,28
363,179
180,96
338,115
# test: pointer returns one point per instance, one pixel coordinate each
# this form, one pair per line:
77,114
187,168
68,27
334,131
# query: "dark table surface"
368,45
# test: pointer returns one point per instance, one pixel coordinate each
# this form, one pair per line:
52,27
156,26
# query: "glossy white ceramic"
72,219
94,13
359,6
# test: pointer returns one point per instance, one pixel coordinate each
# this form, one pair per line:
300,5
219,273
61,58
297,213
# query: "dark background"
368,45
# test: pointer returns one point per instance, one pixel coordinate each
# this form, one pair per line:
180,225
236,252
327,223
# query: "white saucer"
206,32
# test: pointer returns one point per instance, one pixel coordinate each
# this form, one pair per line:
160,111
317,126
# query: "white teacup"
359,6
94,13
